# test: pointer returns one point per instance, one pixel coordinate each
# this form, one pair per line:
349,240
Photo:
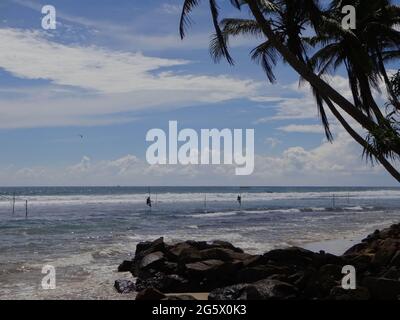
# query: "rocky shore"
227,273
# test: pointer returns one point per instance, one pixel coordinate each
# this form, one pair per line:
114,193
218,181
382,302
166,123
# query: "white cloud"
273,142
294,128
333,164
89,84
171,8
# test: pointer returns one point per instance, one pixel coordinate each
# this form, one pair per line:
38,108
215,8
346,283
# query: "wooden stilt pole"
13,204
26,209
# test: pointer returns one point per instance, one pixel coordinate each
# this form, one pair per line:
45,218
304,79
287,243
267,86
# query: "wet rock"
256,273
204,269
382,288
338,293
294,256
321,283
124,286
125,266
393,273
223,254
262,290
150,294
152,260
387,249
165,283
356,249
184,297
396,259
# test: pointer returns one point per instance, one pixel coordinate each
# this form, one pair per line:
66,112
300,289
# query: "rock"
223,254
150,246
124,286
144,249
233,292
175,251
184,297
256,273
165,283
356,249
125,266
396,259
189,255
226,245
320,284
204,269
294,256
262,290
361,262
152,260
150,294
393,273
382,288
338,293
387,249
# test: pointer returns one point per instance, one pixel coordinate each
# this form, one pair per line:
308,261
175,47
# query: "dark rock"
152,260
361,262
150,294
387,249
356,249
124,286
292,256
233,292
256,273
175,251
382,288
396,259
204,268
189,255
184,297
393,273
320,284
338,293
262,290
145,248
226,245
223,254
165,283
125,266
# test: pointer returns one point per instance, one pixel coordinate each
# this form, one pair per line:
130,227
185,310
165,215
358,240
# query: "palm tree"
281,23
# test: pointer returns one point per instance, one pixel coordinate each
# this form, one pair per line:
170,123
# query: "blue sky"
111,72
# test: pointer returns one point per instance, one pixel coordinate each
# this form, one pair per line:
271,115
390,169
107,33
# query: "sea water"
85,232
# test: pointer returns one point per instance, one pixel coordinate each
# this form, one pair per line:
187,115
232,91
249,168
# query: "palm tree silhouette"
282,26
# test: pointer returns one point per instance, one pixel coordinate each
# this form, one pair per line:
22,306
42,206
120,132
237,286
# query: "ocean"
86,232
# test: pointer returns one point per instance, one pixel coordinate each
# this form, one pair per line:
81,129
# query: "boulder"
256,273
124,286
320,284
356,249
125,266
382,288
338,293
393,273
184,297
396,259
152,260
385,253
165,283
204,269
150,294
296,257
262,290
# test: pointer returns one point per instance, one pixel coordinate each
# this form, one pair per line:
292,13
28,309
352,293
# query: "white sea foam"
173,198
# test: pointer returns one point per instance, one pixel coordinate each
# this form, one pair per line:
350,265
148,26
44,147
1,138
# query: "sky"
113,70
